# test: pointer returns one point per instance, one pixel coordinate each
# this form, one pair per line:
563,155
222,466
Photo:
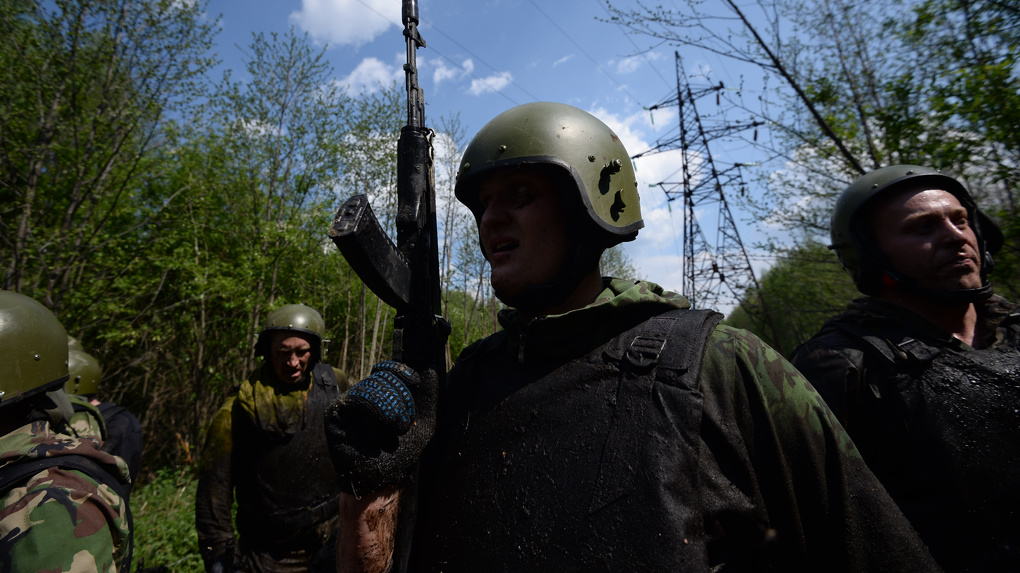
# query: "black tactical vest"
941,429
590,464
286,484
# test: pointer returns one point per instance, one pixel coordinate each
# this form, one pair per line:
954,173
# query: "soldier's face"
521,228
927,236
290,354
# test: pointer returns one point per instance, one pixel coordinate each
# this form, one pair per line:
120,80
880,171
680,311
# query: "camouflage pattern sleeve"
86,421
60,519
824,507
215,495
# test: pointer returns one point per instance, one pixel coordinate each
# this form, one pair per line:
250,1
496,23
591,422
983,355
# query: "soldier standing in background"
120,430
267,444
923,372
608,426
61,503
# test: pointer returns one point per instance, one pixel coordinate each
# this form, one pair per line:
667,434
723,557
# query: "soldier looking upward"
922,372
268,445
608,426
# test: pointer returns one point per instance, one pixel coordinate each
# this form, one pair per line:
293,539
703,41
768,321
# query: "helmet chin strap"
947,297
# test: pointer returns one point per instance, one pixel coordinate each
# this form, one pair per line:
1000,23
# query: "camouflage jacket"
552,454
87,421
60,519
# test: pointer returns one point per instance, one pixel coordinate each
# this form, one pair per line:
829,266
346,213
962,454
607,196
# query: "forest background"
161,215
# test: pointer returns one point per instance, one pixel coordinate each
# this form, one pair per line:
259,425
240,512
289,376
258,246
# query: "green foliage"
164,519
615,263
797,294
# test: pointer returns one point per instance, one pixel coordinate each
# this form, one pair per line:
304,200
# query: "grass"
164,520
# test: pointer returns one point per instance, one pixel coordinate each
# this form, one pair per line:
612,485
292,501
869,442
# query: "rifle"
406,275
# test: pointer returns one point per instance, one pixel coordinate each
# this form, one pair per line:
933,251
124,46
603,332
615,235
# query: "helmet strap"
946,297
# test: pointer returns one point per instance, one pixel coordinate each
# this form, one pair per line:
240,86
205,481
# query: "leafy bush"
164,520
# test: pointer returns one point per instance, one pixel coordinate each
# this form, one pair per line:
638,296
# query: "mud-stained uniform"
268,444
937,420
580,442
60,518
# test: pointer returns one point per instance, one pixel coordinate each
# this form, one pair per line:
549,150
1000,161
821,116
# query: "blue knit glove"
386,396
377,430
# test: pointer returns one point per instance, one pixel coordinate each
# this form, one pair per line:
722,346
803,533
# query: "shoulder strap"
14,475
894,347
666,348
323,375
110,409
674,340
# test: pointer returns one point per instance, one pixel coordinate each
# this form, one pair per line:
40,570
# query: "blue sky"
485,56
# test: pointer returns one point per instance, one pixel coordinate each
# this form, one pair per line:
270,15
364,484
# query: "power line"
639,51
400,25
583,51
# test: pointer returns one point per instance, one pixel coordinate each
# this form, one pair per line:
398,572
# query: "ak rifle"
406,275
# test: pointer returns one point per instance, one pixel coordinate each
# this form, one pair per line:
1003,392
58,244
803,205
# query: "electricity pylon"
717,271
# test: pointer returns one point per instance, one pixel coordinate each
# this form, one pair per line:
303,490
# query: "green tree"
932,82
86,87
799,292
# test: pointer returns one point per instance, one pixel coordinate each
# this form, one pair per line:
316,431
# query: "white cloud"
346,22
493,83
563,60
370,75
628,65
443,72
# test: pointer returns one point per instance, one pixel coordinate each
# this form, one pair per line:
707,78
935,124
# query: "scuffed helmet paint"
579,143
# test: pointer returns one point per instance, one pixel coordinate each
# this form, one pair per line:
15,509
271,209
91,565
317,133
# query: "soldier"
608,426
61,502
922,372
119,429
267,444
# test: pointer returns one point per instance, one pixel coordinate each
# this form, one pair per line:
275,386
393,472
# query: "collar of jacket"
271,404
995,315
621,305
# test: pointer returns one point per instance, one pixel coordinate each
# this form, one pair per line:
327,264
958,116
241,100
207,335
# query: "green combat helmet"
858,251
74,344
297,318
85,373
597,172
33,348
574,140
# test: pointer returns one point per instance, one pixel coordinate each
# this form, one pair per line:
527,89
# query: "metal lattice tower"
716,273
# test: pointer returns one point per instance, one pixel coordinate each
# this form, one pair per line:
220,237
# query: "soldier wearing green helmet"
922,371
607,426
266,445
120,430
62,502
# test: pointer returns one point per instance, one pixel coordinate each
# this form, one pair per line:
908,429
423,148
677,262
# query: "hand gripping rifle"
406,275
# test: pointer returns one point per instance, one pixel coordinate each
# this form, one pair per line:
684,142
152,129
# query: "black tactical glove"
377,430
